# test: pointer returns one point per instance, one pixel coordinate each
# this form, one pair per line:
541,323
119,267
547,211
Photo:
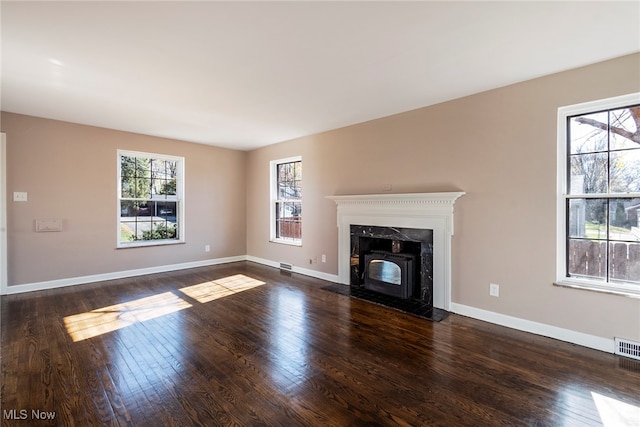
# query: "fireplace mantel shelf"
443,198
438,197
432,211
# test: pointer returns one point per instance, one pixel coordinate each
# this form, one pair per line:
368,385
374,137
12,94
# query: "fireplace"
394,261
429,212
390,273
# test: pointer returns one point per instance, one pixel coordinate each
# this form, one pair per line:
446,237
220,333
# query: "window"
150,204
599,187
286,199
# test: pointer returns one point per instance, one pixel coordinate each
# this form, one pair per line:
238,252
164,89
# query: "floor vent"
285,266
627,348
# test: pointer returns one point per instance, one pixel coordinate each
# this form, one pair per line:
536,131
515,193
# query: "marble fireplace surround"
431,211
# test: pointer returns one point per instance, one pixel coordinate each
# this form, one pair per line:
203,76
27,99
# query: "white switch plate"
494,290
19,196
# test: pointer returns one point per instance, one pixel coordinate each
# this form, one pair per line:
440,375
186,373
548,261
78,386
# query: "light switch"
19,196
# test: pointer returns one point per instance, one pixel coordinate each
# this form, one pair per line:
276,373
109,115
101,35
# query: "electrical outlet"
324,258
494,290
20,196
207,248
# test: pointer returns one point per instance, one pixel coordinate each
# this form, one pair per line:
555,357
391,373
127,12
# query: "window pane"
588,218
297,190
128,230
142,188
157,169
295,208
156,185
158,230
298,171
624,128
127,208
163,187
285,173
289,229
588,174
143,167
284,191
143,225
171,168
624,219
289,220
143,209
624,262
169,187
167,210
587,258
588,133
290,209
126,189
289,181
280,172
625,171
127,166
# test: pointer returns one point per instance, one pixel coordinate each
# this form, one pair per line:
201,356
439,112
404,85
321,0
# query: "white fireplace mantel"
431,211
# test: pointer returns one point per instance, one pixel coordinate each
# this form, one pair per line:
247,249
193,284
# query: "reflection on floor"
410,306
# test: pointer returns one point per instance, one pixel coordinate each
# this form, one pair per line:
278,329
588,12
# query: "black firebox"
390,273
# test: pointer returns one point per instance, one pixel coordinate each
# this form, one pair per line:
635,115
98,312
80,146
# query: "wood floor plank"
282,351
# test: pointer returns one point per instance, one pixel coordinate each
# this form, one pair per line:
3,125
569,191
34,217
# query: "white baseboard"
72,281
567,335
52,284
304,271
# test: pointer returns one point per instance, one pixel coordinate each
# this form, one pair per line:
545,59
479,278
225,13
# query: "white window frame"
179,199
273,183
562,278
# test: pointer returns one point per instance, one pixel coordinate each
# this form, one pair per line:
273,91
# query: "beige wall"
500,148
69,172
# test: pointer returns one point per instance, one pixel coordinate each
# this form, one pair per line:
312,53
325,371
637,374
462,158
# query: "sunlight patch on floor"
108,319
220,288
615,413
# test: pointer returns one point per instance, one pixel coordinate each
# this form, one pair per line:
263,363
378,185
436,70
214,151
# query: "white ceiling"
247,74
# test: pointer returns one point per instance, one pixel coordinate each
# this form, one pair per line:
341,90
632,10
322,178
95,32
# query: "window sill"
287,242
147,243
594,286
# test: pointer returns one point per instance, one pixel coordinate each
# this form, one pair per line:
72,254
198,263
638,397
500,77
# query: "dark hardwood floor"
246,345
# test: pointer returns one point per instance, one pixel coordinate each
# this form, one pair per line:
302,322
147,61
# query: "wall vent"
627,348
285,266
